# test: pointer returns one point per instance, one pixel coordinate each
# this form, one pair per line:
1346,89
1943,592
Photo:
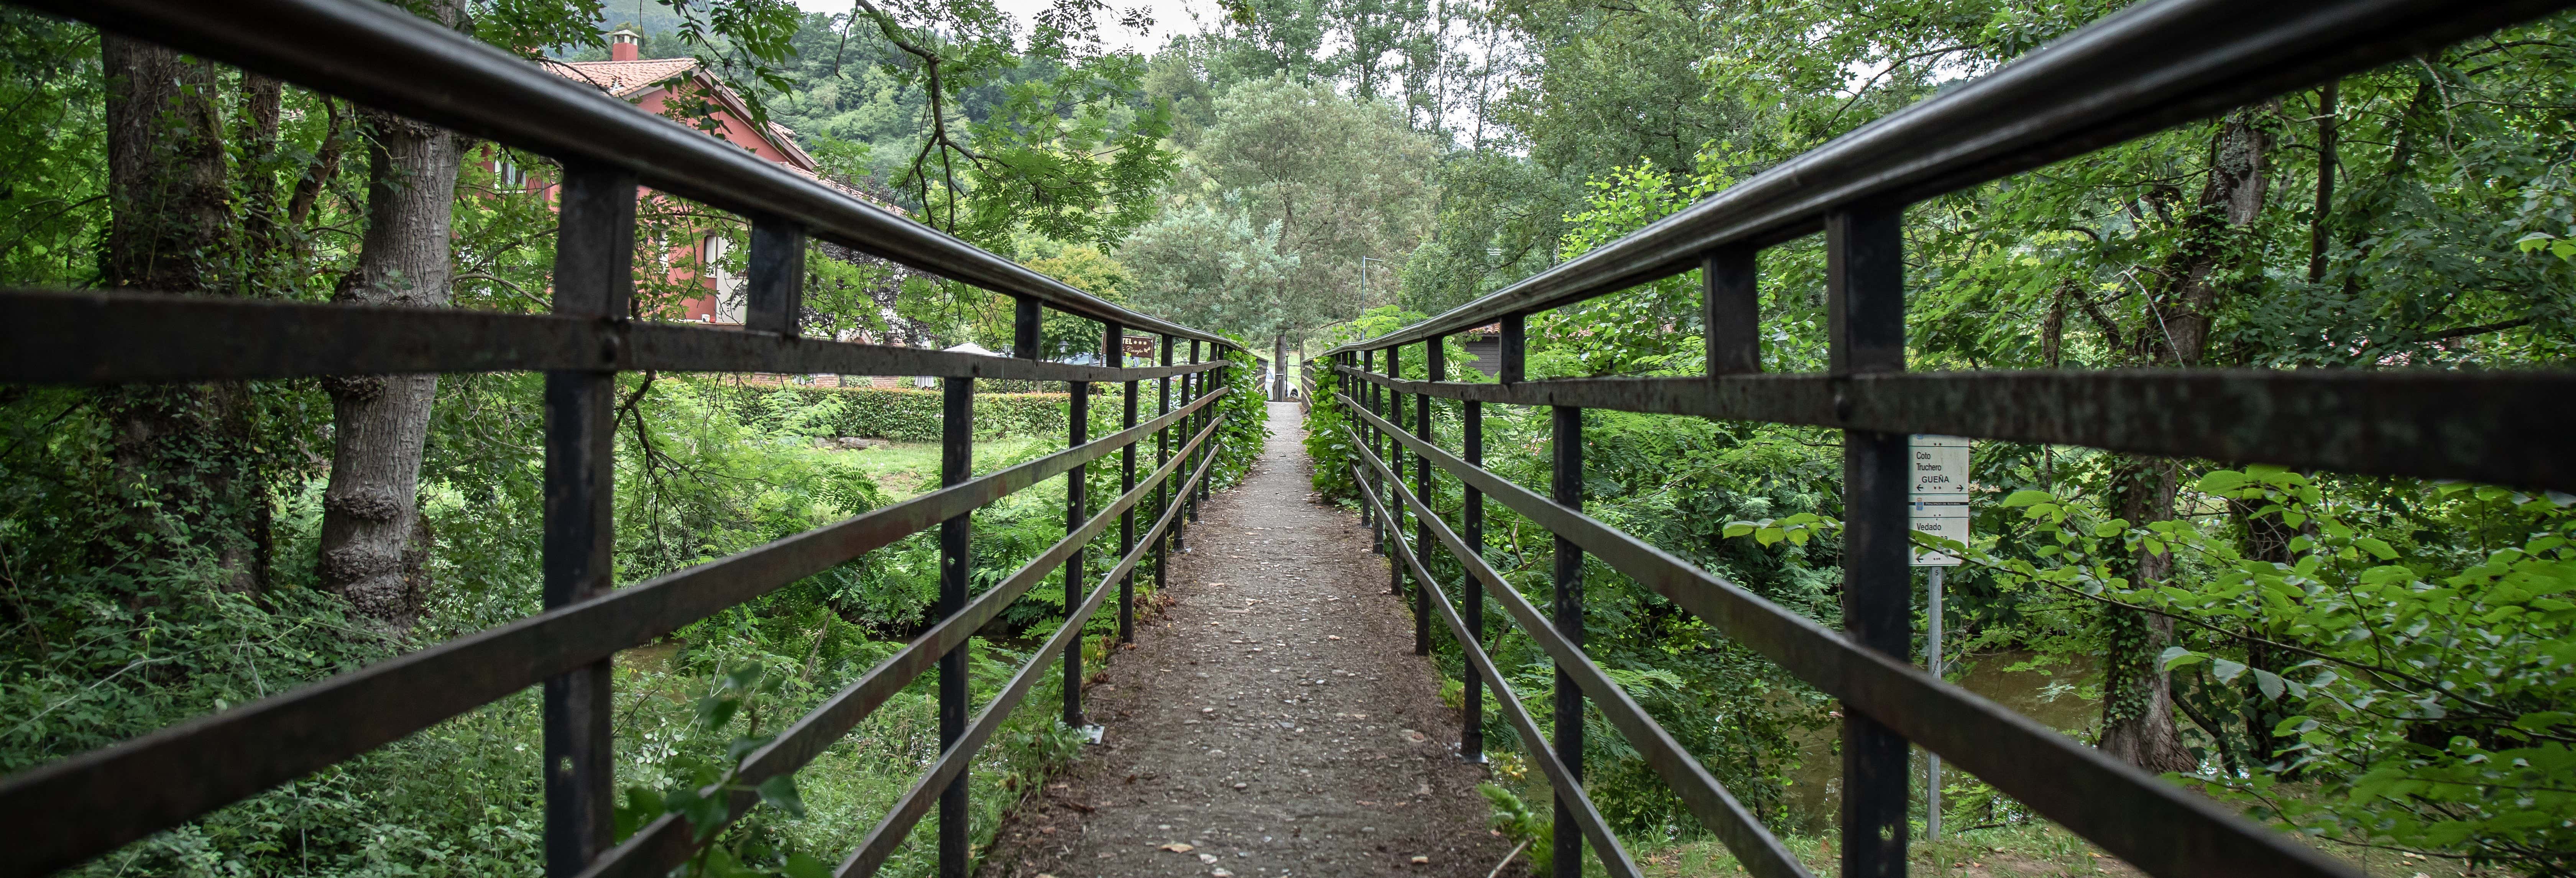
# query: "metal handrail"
55,815
2146,68
2154,65
899,820
57,338
667,842
1614,857
2491,426
2162,829
1755,847
61,812
382,56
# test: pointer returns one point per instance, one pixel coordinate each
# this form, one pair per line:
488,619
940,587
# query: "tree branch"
1874,78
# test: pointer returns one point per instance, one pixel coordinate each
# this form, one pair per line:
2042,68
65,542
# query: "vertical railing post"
1115,337
1163,456
956,560
1189,501
1566,489
594,279
1028,317
1216,378
1865,316
774,298
1471,506
1189,427
1199,421
1207,385
1366,395
1730,312
1077,570
1433,362
1394,457
1511,348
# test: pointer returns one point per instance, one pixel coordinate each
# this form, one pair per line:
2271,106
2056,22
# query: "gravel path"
1273,718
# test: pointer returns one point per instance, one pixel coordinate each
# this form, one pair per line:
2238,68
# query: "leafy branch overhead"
1070,154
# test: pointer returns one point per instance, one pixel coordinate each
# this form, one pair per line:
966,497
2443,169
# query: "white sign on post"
1939,507
1940,497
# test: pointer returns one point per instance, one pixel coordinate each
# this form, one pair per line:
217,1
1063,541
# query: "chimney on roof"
625,45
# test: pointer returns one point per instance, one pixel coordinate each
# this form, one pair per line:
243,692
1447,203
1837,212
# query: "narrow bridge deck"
1352,775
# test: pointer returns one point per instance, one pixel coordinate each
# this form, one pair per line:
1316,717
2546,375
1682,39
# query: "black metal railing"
57,815
2152,66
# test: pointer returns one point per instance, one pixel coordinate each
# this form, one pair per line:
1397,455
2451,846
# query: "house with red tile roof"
681,90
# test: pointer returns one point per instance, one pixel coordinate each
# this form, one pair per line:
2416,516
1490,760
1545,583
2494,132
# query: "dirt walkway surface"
1274,719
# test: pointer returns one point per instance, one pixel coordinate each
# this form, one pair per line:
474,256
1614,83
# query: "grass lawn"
905,469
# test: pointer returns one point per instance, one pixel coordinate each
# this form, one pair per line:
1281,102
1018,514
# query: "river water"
2047,694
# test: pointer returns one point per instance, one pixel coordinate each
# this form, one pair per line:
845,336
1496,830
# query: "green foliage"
1290,187
1648,330
1205,265
1535,833
55,132
2375,661
2375,683
2438,245
2424,685
1247,411
1060,147
1328,442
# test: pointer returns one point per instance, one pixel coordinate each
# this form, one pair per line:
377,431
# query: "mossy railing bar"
57,815
2154,65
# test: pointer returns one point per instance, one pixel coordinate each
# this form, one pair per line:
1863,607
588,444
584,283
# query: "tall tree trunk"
2197,277
2137,695
370,512
2327,149
1279,366
263,267
184,453
2137,704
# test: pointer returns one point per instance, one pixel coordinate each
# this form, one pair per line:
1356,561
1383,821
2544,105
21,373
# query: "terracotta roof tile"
623,78
626,78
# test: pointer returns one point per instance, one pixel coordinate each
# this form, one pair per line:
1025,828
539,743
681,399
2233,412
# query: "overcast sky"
1170,17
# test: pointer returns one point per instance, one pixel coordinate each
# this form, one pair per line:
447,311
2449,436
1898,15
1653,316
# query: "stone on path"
1271,722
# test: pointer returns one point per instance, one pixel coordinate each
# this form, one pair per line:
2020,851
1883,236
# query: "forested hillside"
2377,663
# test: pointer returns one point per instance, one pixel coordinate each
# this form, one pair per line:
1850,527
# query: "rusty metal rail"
60,814
2154,65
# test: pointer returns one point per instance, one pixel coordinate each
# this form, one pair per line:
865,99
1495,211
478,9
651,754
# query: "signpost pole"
1940,506
1932,774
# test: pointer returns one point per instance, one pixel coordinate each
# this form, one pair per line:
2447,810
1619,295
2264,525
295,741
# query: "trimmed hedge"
901,415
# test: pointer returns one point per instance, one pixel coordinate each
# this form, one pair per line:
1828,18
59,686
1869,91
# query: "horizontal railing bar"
2144,69
900,819
56,815
381,56
1752,843
2160,828
1614,856
98,337
670,840
2502,427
